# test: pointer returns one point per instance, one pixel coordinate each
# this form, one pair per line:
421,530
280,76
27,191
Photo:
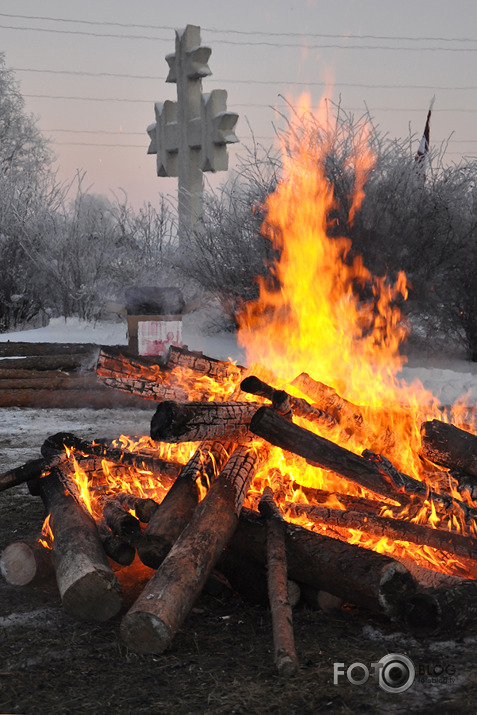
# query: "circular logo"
396,673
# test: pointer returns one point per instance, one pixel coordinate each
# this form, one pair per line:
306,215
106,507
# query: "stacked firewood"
54,375
195,524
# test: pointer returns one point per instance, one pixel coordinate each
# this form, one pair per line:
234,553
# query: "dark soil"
221,660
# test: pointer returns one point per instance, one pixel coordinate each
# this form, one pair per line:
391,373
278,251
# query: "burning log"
120,521
136,376
144,388
88,588
395,529
25,562
115,547
374,472
152,621
414,488
30,471
285,656
143,508
330,401
55,444
449,446
286,404
347,501
177,507
199,421
114,363
202,364
320,452
368,579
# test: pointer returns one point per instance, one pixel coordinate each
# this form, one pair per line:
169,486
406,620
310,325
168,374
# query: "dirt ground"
221,660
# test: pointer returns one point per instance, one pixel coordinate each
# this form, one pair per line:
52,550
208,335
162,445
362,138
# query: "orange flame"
309,317
47,534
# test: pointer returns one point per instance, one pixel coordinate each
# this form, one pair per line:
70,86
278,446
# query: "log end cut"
448,609
143,632
286,665
96,596
22,563
396,587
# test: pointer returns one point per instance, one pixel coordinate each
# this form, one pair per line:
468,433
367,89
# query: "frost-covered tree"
26,186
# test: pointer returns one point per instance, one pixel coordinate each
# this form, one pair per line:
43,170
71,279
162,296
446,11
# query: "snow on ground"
23,430
114,332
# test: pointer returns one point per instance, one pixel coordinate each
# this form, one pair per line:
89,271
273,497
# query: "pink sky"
261,53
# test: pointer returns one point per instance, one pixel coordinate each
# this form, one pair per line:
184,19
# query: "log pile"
54,375
215,504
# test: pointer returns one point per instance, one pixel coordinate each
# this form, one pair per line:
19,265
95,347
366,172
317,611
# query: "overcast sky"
92,70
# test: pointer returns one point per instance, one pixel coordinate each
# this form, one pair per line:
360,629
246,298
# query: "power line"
89,99
84,73
95,131
143,134
244,32
248,43
103,146
246,105
85,33
249,81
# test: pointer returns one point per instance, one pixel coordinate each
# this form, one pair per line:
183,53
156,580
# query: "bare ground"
221,659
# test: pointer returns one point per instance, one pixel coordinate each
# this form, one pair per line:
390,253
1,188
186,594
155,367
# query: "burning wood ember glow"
369,482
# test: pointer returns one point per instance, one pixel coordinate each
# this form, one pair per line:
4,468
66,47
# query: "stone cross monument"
190,135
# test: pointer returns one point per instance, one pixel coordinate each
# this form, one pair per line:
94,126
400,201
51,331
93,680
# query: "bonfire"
315,460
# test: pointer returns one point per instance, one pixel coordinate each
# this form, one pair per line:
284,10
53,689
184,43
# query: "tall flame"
310,315
313,320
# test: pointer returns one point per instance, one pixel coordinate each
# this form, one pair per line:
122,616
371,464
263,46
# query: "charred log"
116,547
320,452
374,472
199,421
30,471
347,501
202,364
55,444
331,402
449,446
120,521
144,508
286,404
394,529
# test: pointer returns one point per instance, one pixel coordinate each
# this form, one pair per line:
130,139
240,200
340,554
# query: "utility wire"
110,132
249,81
248,43
247,105
260,33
